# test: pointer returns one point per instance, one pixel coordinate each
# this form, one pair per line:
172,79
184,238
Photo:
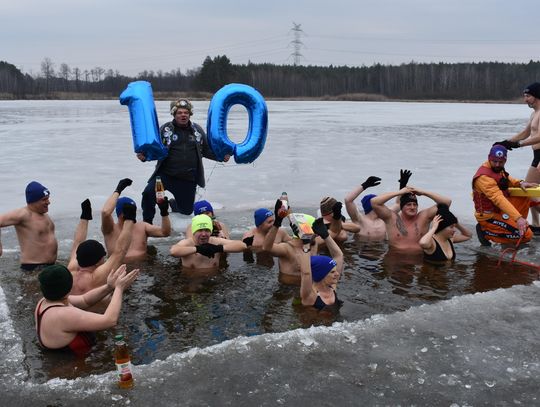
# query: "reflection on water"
169,311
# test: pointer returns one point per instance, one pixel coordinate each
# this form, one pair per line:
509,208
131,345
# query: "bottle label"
124,371
160,196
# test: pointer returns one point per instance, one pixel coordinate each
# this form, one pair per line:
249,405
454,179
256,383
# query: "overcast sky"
132,36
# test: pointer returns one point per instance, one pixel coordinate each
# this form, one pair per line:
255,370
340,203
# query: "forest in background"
482,81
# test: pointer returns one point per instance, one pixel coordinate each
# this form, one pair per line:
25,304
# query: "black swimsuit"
438,254
320,304
536,158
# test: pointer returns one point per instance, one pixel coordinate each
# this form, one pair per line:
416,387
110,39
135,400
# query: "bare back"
137,248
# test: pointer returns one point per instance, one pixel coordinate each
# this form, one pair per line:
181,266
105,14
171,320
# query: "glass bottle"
284,210
160,190
123,363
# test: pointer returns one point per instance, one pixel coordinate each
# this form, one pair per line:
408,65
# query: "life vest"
481,202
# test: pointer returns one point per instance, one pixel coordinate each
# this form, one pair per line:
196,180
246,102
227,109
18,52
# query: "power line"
297,43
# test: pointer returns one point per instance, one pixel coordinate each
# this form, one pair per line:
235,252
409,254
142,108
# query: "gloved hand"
509,145
371,182
86,207
123,184
320,228
216,228
209,249
248,241
404,176
129,211
295,230
164,207
336,210
277,220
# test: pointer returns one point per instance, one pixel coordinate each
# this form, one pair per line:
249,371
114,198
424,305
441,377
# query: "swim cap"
406,198
366,203
55,281
448,217
35,191
120,204
497,152
201,207
326,205
261,215
89,253
533,89
181,103
321,266
200,222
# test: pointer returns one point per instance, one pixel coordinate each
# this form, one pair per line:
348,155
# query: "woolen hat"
498,152
201,207
533,89
89,253
200,222
121,202
406,198
181,103
260,215
35,191
55,282
326,205
448,218
321,266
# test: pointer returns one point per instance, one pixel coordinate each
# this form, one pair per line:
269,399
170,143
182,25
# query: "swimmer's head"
89,253
121,202
327,203
55,282
406,198
35,191
181,104
533,89
366,203
201,207
321,266
260,215
448,218
201,222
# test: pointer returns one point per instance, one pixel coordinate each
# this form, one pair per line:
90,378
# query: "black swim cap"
533,89
55,281
89,253
448,218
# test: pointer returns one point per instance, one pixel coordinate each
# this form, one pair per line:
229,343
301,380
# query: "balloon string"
222,165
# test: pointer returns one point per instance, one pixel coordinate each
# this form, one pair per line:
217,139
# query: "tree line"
414,81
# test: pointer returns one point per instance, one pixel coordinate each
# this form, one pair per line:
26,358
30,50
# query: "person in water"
202,251
404,229
205,208
330,210
501,218
88,262
182,170
141,231
438,242
530,136
34,228
61,319
319,278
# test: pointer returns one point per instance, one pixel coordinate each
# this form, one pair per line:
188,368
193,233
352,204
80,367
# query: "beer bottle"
123,363
160,190
284,210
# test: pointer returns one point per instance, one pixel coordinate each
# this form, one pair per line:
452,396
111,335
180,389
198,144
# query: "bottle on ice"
123,363
160,190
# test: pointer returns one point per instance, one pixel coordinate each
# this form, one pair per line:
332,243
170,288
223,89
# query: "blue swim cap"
366,203
201,207
260,215
35,191
120,204
321,266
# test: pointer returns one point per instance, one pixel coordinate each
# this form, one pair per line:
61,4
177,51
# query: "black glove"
129,211
295,230
371,182
336,210
209,249
509,145
86,207
404,176
164,207
320,228
277,220
248,241
123,184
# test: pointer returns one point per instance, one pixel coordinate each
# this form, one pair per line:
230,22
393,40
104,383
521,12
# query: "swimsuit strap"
39,316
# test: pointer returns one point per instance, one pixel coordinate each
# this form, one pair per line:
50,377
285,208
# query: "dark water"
167,311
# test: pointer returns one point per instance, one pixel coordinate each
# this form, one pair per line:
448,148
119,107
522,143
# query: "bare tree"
47,69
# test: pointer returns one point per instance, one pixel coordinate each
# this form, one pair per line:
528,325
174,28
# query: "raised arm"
350,206
279,249
165,229
81,231
426,242
13,217
107,222
437,198
307,294
378,203
183,248
465,234
335,252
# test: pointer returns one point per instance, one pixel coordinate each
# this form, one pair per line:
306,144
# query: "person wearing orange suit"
501,218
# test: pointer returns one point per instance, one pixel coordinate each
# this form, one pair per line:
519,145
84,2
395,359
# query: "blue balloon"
216,125
144,123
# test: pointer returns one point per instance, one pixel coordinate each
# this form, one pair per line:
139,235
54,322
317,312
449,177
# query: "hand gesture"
278,213
320,228
86,210
209,249
508,144
404,176
120,278
164,206
435,222
336,210
123,184
371,182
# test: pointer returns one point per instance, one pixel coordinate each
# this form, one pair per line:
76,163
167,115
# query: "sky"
134,36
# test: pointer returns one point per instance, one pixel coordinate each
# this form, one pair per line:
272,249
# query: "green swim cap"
200,222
